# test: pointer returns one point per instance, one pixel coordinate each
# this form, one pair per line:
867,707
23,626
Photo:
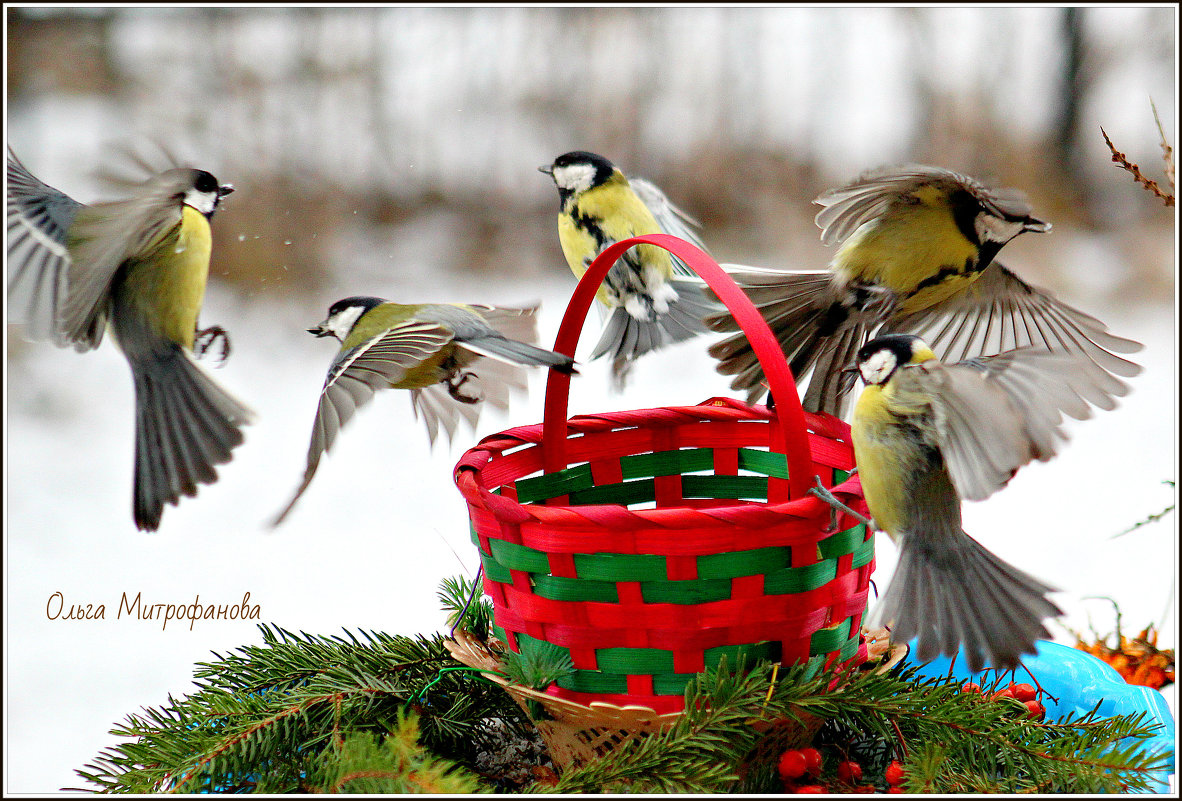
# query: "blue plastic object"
1080,680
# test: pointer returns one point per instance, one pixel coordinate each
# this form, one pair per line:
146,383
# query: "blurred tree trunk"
1074,85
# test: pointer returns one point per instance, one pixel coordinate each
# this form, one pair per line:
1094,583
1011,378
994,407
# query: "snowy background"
394,152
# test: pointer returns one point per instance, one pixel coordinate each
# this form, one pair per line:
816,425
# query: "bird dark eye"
204,182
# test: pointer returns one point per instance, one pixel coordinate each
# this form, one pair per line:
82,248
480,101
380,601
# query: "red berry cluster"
804,765
1022,693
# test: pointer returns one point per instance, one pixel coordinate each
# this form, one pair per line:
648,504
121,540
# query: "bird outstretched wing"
39,219
991,415
354,376
999,312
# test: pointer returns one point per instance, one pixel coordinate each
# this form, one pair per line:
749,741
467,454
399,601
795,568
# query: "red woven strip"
786,611
606,471
747,586
521,582
562,564
629,593
726,461
689,661
681,568
640,685
584,658
510,532
662,704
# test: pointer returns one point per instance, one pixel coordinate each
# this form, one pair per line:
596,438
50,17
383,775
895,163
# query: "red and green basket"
650,544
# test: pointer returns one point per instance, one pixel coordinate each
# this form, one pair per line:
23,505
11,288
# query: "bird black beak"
225,189
546,168
321,330
1036,225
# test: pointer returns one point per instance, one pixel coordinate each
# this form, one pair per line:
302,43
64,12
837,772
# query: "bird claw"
828,497
454,384
205,339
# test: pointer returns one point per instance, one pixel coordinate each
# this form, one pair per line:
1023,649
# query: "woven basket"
650,544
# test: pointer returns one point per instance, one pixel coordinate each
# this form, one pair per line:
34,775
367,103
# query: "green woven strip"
620,567
769,464
843,542
667,463
495,570
863,554
827,640
752,488
689,592
742,563
626,494
577,481
552,485
799,579
558,588
714,571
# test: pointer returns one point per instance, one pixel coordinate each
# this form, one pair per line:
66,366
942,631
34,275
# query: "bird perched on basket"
139,266
928,434
452,358
918,255
651,298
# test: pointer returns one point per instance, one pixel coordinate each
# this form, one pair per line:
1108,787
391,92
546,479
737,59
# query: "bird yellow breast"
167,285
909,245
884,455
427,372
618,213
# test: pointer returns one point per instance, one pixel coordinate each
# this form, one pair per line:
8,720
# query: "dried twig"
1135,171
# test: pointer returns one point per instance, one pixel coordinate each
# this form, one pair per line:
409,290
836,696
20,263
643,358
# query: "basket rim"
713,410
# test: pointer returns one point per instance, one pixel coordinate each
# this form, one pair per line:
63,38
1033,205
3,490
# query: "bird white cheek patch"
576,177
878,367
994,229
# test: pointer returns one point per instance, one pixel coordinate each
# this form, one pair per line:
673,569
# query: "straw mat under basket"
650,544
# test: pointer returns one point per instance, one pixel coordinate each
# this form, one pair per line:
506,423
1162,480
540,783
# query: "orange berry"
894,773
971,688
1024,692
1037,710
811,789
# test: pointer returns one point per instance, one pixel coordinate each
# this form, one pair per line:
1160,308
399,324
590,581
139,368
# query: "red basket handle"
789,437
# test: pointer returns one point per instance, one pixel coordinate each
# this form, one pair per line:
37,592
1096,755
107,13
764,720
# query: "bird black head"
204,193
578,171
879,358
344,314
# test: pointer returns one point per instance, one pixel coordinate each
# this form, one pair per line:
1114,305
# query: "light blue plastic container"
1079,680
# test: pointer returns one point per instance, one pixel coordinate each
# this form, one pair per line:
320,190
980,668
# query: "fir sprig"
262,717
957,742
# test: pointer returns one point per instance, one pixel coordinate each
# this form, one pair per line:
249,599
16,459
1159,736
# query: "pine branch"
270,712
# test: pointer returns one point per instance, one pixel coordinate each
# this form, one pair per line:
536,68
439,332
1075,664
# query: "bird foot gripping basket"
651,544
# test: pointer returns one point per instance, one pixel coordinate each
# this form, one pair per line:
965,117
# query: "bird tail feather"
185,424
963,597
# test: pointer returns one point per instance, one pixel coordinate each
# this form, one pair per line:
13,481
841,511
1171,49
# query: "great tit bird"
928,434
917,256
138,265
650,297
452,357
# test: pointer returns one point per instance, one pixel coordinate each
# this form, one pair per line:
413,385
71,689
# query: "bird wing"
992,415
104,236
999,312
39,218
671,219
868,197
356,374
